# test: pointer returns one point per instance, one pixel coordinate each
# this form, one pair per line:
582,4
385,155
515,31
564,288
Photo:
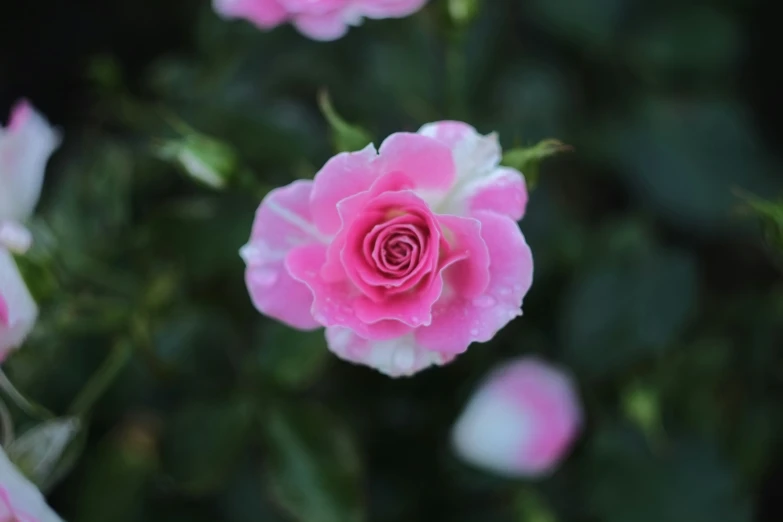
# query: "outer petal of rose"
18,311
389,8
308,6
25,147
263,13
334,302
470,275
475,155
503,191
322,26
426,161
397,357
282,223
458,321
448,132
344,175
19,497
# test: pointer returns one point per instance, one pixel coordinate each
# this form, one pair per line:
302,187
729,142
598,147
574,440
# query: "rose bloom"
20,500
317,19
18,311
25,147
406,255
522,420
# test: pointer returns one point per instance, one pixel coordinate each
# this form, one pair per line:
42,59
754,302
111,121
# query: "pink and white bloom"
522,420
25,147
317,19
20,500
406,255
18,311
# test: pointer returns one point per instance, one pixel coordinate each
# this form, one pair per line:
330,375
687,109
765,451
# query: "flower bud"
204,159
522,420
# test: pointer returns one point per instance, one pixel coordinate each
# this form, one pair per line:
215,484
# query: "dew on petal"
264,277
404,357
474,331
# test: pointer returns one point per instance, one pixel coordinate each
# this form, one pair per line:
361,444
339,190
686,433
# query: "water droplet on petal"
484,301
474,331
505,291
320,318
512,314
264,277
414,319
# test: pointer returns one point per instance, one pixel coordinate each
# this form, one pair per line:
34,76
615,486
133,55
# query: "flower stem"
102,379
29,407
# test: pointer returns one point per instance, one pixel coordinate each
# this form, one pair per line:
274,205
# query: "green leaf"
769,215
623,311
684,482
204,441
346,137
312,465
291,357
38,452
528,159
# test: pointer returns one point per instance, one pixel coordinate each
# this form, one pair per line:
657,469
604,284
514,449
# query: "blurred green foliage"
660,297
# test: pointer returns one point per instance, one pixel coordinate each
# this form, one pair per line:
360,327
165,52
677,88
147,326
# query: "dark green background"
661,297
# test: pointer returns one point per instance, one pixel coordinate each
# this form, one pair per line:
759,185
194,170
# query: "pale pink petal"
448,132
503,191
346,174
283,222
522,420
389,8
334,303
20,500
15,237
396,357
18,311
314,7
25,148
321,26
426,161
469,276
263,13
458,321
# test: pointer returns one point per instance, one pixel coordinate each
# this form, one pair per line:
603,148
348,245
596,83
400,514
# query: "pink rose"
317,19
522,420
20,500
18,311
25,147
406,255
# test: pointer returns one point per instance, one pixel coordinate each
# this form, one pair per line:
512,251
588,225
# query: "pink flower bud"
522,420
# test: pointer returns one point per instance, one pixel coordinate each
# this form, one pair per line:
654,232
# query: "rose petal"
389,8
322,26
263,13
448,132
25,148
396,357
346,174
334,303
18,311
469,275
458,321
503,191
20,500
283,222
426,161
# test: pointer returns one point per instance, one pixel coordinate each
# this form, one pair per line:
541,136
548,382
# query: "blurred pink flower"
20,500
406,255
317,19
25,147
18,311
522,420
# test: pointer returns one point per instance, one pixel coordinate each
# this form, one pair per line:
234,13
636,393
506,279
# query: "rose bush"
317,19
406,255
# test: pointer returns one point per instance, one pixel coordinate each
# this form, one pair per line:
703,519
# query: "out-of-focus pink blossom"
522,420
20,500
18,311
25,147
317,19
406,254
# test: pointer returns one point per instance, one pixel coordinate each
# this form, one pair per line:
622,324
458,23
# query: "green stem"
102,379
29,407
